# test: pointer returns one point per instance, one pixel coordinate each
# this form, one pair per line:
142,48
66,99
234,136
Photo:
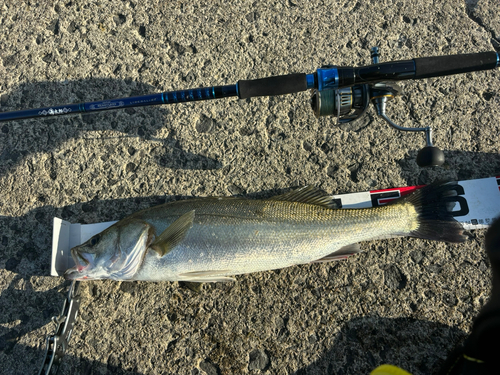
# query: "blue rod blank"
169,97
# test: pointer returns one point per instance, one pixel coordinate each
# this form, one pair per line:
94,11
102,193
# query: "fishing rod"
344,92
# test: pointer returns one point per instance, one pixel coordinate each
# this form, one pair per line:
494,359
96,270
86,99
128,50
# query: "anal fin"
206,276
340,254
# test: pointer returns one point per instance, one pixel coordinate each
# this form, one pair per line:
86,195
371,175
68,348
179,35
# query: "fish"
212,239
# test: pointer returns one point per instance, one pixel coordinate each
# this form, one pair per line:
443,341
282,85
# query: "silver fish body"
211,239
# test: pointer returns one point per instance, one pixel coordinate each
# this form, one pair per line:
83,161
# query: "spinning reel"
350,103
341,91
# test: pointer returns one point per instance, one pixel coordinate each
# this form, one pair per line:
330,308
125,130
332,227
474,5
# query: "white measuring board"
477,203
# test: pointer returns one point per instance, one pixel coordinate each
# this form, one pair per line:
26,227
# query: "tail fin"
436,221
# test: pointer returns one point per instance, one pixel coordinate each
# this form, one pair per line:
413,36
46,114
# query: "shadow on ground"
458,165
19,139
32,358
362,344
417,346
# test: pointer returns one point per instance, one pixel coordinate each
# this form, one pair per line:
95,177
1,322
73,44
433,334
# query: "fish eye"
94,240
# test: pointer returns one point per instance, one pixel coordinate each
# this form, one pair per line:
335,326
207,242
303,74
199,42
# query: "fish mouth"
71,274
81,264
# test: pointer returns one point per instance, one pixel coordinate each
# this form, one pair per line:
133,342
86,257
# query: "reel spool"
341,103
350,103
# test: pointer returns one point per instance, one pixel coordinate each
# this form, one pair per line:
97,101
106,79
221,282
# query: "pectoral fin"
174,234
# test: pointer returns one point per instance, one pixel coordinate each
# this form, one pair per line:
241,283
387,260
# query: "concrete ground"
402,301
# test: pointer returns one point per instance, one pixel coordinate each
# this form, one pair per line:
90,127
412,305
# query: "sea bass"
213,239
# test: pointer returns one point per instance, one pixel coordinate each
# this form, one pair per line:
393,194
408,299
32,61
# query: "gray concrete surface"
402,301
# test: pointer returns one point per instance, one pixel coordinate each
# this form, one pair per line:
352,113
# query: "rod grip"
437,66
279,85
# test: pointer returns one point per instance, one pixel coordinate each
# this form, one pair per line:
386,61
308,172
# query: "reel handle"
430,155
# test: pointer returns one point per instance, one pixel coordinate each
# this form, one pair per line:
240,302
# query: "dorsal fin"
308,194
